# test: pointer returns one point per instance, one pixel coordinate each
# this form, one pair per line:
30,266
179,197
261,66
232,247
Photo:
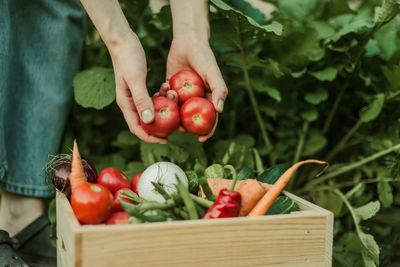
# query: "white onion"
162,173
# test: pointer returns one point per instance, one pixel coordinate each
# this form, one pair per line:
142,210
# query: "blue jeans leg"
41,44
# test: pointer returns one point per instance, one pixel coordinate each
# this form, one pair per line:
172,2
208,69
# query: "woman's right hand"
132,97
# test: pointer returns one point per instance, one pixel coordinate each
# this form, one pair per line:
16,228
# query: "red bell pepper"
227,204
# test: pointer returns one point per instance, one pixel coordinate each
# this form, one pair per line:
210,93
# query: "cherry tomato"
198,115
166,119
113,179
187,84
118,196
135,182
120,217
91,203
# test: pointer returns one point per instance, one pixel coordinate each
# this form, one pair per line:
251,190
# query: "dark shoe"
8,256
33,244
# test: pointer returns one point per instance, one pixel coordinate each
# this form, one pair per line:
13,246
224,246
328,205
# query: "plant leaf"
393,76
95,87
246,25
372,111
310,115
262,87
315,142
330,201
328,74
367,211
371,252
133,168
387,11
385,193
316,97
347,24
126,138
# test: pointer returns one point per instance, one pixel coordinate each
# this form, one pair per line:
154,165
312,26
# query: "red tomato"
113,179
198,115
187,84
91,203
118,196
166,119
135,182
120,217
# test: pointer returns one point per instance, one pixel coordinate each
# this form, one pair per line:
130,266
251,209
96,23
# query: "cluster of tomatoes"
196,114
99,203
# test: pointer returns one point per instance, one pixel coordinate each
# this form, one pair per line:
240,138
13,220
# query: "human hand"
196,54
132,97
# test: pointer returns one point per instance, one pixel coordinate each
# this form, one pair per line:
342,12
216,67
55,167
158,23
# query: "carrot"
266,201
77,176
251,191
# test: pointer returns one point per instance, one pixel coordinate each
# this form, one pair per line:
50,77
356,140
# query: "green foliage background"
318,79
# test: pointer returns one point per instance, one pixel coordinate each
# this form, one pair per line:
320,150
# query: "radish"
162,173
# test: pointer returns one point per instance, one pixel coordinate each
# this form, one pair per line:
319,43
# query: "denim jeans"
41,44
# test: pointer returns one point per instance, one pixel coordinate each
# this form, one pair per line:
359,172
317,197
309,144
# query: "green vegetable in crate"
179,205
272,174
215,171
282,205
246,173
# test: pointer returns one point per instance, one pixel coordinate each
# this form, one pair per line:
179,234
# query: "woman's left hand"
195,54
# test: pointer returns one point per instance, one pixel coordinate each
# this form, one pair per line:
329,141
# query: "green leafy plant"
312,79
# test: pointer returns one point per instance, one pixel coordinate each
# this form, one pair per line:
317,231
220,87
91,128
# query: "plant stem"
352,183
228,153
344,140
297,155
234,176
300,144
348,205
252,97
232,121
335,106
355,219
350,167
332,113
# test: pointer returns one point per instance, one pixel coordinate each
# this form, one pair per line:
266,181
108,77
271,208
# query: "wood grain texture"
298,239
68,233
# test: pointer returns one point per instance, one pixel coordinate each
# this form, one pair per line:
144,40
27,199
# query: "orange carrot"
77,176
251,191
266,201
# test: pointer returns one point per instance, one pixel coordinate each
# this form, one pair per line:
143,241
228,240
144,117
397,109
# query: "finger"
173,95
218,87
204,138
181,129
132,119
141,98
157,94
164,88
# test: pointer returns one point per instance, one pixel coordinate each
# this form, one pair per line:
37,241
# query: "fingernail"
221,104
147,116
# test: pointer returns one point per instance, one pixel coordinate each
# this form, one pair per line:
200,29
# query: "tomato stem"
164,112
187,85
197,118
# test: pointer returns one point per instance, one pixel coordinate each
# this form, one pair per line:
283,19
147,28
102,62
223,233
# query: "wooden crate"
302,238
